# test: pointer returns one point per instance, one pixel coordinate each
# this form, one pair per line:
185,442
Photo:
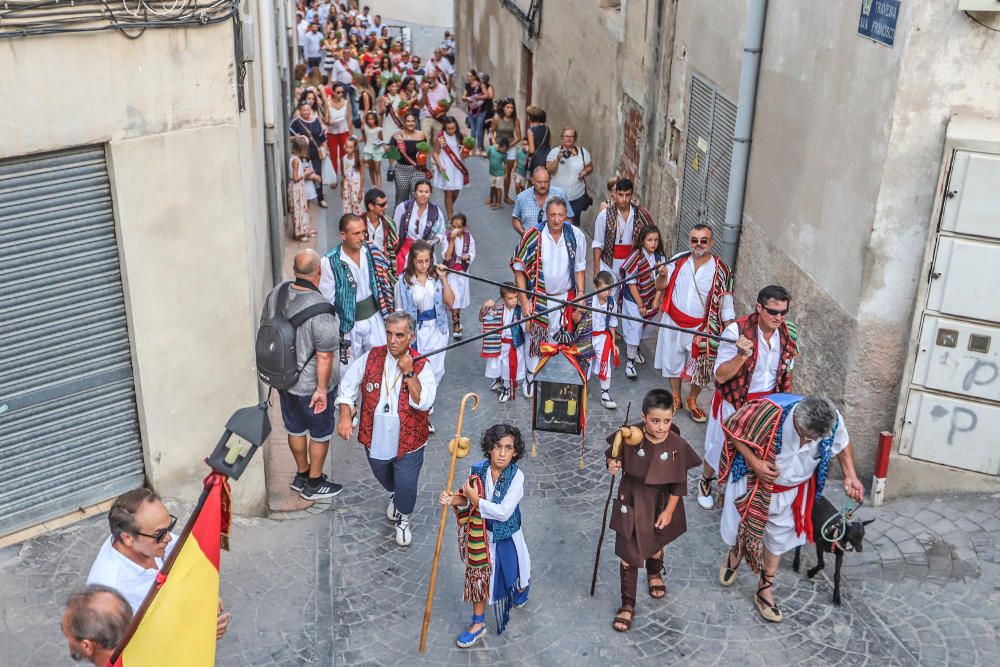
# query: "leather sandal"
768,611
697,414
657,591
623,623
727,573
705,500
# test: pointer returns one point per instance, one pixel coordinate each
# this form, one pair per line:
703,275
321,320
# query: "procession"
488,344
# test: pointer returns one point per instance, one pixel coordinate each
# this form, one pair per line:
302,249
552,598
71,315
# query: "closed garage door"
69,432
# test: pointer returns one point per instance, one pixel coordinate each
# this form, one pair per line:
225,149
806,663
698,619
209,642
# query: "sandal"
727,573
468,638
623,623
697,414
705,493
657,591
768,610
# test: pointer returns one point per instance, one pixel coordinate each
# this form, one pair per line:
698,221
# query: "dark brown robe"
647,482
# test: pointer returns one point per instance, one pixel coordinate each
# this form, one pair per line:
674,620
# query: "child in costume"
648,511
490,539
599,327
458,255
504,350
639,296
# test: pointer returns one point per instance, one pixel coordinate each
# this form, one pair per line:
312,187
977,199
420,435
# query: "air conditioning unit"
979,5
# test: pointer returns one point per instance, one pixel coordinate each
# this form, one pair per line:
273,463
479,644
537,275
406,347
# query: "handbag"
329,173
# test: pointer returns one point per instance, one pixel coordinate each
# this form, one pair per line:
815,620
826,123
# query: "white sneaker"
705,502
430,428
390,512
529,389
607,401
497,384
403,535
639,359
504,395
630,369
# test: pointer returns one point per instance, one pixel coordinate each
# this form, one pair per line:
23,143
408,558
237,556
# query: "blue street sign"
878,20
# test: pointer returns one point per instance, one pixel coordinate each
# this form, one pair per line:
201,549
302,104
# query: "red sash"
427,105
609,354
802,506
717,400
679,317
404,252
622,251
455,159
511,366
391,108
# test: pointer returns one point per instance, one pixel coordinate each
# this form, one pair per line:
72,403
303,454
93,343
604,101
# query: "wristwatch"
407,376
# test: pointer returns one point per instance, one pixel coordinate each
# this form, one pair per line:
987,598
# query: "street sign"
878,20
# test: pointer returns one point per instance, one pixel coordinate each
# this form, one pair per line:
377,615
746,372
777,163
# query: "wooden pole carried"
459,447
615,451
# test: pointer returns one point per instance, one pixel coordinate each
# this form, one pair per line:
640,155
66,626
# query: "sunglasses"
702,241
775,313
380,204
162,533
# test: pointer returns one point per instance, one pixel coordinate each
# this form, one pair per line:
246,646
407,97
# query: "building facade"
140,200
848,155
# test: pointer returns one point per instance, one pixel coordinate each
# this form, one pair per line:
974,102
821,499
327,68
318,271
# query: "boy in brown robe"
648,512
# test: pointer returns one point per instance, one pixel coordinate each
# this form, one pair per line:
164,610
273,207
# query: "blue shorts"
300,419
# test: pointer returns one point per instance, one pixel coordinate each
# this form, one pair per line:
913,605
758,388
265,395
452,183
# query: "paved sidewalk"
328,586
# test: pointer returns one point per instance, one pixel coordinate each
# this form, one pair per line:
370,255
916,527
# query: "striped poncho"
528,259
381,278
639,265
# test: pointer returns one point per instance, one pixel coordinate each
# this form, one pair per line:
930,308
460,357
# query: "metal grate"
708,152
69,432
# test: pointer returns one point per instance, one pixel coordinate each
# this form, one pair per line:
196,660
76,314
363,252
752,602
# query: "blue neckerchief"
502,530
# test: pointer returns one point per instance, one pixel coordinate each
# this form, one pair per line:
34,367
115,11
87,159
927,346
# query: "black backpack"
277,363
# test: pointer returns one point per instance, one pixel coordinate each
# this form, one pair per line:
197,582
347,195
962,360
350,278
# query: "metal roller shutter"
707,156
69,430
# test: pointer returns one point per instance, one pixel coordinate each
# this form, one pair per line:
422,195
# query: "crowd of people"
385,300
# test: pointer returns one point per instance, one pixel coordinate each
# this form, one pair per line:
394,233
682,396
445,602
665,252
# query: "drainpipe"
744,129
272,173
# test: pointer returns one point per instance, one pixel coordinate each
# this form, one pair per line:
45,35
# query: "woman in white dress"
450,173
392,116
458,255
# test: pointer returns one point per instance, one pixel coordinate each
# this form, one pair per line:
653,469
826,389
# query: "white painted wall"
438,13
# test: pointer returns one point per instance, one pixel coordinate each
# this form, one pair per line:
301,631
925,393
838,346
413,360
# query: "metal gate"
707,154
69,431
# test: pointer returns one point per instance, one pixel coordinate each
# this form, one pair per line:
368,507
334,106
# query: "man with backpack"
295,353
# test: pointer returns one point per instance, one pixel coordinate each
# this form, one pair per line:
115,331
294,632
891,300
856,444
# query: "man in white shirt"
549,261
301,28
616,230
778,485
698,295
94,623
397,394
311,44
344,69
374,28
569,166
433,92
141,540
759,363
439,63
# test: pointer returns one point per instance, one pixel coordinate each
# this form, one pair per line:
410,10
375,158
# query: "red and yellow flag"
176,623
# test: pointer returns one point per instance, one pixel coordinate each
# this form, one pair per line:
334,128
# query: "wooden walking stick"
459,448
615,449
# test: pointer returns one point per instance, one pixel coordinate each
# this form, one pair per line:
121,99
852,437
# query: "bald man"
94,623
307,406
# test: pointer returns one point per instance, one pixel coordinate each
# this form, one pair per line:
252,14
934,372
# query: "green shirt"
521,162
497,159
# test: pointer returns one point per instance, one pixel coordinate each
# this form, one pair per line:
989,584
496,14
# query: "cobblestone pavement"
328,585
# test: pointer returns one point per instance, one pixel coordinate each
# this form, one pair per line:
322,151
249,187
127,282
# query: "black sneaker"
299,482
323,489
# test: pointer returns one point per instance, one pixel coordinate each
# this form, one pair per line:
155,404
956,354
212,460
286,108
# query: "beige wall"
190,217
440,13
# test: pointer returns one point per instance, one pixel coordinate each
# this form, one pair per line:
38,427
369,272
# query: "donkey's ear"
865,523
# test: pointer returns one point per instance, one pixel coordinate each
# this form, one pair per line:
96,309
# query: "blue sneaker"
521,596
467,638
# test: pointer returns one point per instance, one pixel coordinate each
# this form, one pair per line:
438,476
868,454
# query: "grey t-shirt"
319,333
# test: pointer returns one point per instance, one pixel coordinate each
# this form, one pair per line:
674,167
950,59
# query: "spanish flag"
176,623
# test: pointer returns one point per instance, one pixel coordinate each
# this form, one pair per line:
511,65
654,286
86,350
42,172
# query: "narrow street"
328,585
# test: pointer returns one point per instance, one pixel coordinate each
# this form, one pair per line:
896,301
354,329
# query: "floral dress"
298,200
350,191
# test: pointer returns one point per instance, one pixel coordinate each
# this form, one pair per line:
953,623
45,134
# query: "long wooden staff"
459,446
615,449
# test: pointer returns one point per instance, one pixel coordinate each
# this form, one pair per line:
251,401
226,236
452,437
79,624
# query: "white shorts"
496,182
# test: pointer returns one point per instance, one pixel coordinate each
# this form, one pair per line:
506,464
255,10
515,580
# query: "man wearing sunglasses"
698,295
759,363
141,540
380,229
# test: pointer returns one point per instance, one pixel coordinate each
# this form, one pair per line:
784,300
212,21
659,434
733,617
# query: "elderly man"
141,540
759,363
698,295
307,406
94,623
360,283
439,63
380,229
776,459
569,166
618,229
433,93
397,394
550,261
530,205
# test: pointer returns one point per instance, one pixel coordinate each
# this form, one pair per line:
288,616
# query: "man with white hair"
94,623
775,461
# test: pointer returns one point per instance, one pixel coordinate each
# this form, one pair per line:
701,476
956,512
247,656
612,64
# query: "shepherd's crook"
459,446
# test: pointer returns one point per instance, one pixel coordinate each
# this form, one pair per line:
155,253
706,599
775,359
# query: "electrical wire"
988,27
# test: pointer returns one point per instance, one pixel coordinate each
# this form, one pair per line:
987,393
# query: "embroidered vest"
433,215
641,219
455,263
492,320
736,388
413,424
380,280
502,530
